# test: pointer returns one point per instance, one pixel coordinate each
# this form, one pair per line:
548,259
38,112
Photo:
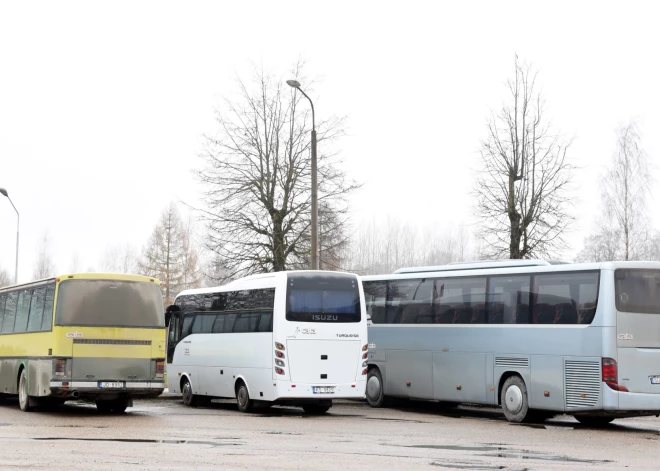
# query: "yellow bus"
93,336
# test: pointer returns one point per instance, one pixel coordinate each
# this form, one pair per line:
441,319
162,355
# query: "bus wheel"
23,398
593,420
189,399
514,399
243,398
317,409
375,396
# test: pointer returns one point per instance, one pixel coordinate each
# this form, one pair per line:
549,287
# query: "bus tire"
189,398
374,389
24,401
593,420
243,397
316,409
514,399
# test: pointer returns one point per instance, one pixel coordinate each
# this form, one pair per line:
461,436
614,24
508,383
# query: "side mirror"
171,309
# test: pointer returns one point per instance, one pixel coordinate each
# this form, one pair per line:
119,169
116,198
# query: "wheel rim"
373,388
514,399
242,396
187,393
22,392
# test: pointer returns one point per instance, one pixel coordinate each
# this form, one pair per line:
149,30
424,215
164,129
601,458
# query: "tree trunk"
279,255
514,219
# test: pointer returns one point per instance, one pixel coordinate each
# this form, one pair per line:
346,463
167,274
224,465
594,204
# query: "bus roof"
87,276
478,265
258,280
503,269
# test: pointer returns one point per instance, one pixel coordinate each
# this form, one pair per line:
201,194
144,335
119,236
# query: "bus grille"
582,383
512,362
111,342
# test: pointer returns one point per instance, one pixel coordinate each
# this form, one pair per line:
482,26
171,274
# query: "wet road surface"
163,434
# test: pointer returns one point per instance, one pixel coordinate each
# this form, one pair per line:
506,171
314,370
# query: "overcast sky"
103,105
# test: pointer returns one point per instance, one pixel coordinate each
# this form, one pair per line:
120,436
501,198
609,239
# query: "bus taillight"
611,375
364,371
60,367
160,369
279,346
279,371
365,347
279,362
279,354
365,355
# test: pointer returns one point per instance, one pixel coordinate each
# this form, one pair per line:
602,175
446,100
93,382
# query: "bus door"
173,322
637,294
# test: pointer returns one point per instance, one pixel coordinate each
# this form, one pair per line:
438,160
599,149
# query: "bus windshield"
323,298
638,291
110,303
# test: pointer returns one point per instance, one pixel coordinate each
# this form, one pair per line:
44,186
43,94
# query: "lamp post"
315,226
18,223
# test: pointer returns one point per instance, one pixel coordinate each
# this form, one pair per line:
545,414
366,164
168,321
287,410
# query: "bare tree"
5,279
257,178
167,256
75,263
120,259
521,187
622,232
626,187
602,246
382,248
44,266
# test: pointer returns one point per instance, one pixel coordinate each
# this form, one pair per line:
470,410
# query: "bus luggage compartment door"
323,361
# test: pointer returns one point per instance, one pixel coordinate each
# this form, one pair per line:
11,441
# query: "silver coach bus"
535,337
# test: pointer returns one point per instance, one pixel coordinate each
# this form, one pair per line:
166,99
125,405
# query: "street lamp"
315,226
18,222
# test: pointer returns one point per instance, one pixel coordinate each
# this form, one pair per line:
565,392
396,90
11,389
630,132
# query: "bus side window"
3,298
47,320
36,310
266,322
187,322
10,312
229,323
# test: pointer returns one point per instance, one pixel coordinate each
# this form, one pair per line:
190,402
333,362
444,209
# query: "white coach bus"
534,337
291,338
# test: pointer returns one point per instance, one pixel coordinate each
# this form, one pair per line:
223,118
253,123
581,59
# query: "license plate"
323,390
655,379
111,384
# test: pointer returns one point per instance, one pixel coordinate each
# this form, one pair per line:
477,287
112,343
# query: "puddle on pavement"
137,440
4,425
282,433
459,448
397,420
503,452
475,466
545,427
534,456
